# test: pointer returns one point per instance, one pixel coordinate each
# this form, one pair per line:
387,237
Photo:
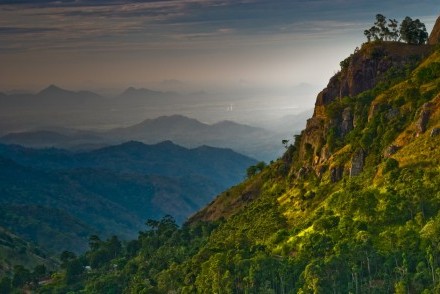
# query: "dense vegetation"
56,198
292,227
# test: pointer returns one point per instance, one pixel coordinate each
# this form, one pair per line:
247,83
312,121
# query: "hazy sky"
90,44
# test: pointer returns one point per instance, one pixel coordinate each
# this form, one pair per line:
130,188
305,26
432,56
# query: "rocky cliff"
434,37
368,66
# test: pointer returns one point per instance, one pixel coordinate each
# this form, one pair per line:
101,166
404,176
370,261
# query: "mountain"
141,97
51,107
188,132
251,141
69,139
58,198
137,93
351,207
35,139
54,91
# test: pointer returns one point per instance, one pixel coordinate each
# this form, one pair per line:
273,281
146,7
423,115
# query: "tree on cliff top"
410,31
413,31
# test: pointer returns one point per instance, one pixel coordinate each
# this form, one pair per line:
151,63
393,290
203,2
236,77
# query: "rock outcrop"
360,72
422,122
357,163
347,122
336,173
434,37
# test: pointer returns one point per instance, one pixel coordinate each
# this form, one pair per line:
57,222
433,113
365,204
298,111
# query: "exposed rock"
313,136
336,173
347,122
435,132
392,149
321,170
366,68
434,37
302,172
357,163
325,155
424,115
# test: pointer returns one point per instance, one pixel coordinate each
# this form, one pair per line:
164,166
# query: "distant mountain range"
252,141
57,107
57,198
54,115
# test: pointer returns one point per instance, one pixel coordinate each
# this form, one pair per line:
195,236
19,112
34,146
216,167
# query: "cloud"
138,25
24,30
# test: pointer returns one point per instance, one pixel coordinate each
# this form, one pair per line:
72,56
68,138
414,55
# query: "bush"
390,164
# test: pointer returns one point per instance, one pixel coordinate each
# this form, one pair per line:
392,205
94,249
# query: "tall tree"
393,25
381,25
413,31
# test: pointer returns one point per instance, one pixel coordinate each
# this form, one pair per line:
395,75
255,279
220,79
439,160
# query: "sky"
114,44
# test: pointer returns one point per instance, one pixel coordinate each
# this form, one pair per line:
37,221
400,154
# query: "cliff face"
362,71
434,37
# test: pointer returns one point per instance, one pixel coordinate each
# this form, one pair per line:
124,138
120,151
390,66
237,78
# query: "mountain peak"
132,91
53,89
171,120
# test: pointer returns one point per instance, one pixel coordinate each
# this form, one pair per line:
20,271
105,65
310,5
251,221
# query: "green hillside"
57,199
17,253
353,206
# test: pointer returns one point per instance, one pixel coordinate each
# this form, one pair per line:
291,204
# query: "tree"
380,30
254,169
413,31
369,35
251,171
381,25
114,246
65,257
393,24
94,242
260,166
73,271
410,31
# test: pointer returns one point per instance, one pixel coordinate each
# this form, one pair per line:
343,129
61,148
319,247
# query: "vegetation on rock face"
306,223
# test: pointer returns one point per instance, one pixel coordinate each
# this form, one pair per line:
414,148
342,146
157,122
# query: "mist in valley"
81,119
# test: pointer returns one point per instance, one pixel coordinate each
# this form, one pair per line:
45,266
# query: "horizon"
254,62
194,45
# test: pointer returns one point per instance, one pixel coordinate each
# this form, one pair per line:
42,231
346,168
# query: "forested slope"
353,206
